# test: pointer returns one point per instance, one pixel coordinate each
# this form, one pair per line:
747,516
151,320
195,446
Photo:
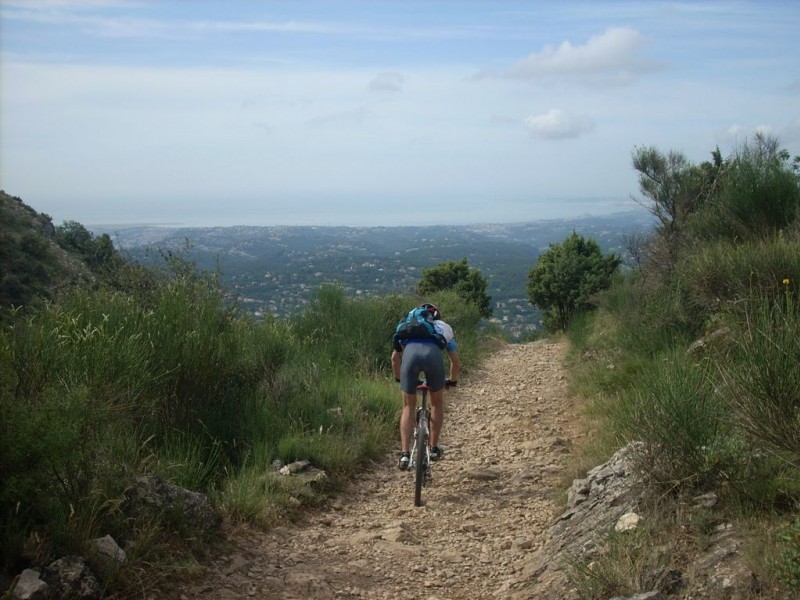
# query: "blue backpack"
417,325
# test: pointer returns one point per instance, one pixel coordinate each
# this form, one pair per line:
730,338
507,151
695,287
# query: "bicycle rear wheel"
420,460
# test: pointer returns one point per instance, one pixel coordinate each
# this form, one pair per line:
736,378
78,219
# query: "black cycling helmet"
433,310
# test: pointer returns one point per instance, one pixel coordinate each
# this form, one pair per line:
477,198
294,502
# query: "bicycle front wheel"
421,459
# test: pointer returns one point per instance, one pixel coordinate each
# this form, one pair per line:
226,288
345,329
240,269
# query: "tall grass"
760,373
626,563
720,272
674,410
355,334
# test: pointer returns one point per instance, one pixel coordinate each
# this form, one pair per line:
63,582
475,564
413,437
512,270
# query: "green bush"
724,272
567,276
468,283
65,460
350,332
674,410
759,196
87,381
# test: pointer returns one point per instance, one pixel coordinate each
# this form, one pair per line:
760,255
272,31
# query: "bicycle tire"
419,478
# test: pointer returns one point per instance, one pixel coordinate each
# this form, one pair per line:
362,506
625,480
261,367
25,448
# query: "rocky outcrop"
605,499
304,472
153,493
108,551
598,502
70,577
722,571
29,586
608,499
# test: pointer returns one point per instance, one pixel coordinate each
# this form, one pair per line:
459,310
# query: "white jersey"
447,331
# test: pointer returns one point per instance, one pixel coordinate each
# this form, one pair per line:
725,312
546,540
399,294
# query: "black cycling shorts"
421,357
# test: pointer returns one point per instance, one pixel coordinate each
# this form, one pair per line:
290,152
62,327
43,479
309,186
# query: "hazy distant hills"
274,270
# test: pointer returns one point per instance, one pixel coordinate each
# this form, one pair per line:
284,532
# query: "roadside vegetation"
694,349
136,371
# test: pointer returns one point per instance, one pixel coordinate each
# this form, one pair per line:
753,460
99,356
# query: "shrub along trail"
507,437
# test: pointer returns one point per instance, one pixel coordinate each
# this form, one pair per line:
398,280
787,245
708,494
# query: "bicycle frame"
420,452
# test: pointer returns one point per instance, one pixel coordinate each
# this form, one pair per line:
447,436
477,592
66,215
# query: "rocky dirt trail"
494,496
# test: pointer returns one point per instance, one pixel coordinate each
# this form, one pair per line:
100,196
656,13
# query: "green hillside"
38,259
32,264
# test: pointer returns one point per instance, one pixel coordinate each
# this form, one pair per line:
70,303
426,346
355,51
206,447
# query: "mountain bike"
420,453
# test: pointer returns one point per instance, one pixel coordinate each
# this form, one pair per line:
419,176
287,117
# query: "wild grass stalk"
760,374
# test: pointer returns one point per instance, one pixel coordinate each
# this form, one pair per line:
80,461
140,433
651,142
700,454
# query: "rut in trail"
507,434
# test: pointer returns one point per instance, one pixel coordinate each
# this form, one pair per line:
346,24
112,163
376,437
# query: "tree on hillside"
752,193
567,276
468,283
762,194
673,186
96,252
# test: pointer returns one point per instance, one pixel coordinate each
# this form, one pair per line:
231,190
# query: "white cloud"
387,82
260,101
788,133
612,57
558,125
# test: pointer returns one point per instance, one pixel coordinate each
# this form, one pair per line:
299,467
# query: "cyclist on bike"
424,355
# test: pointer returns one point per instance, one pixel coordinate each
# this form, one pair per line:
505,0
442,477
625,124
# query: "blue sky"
376,113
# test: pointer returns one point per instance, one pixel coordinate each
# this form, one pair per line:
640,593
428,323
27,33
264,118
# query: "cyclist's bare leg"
407,421
437,416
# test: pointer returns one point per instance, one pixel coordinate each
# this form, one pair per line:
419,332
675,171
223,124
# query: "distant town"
274,271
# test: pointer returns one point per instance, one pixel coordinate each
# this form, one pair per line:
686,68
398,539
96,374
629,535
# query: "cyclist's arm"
455,364
397,358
